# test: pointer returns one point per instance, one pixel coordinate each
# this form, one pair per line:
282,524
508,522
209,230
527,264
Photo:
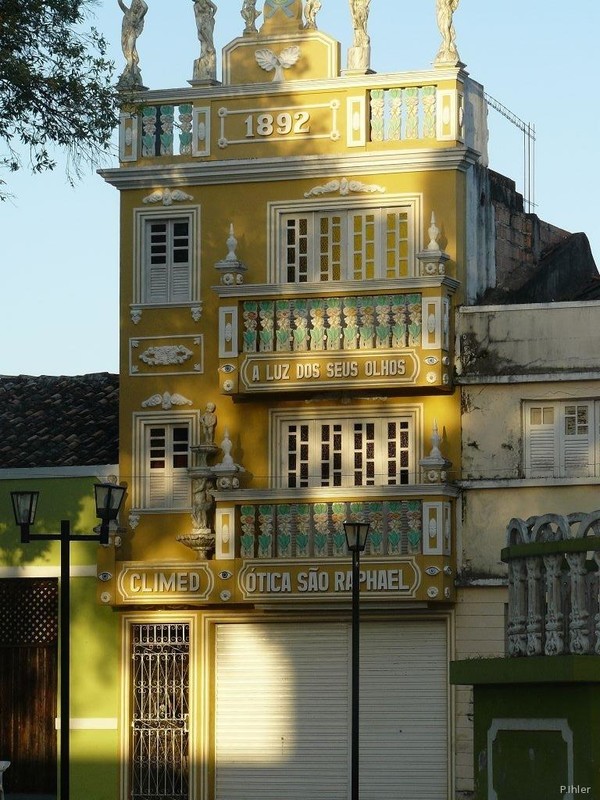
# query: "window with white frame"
560,438
365,450
162,455
166,261
351,243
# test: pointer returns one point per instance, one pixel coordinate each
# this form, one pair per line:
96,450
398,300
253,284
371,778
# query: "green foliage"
56,88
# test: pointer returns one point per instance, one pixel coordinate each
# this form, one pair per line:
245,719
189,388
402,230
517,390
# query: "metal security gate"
282,711
160,679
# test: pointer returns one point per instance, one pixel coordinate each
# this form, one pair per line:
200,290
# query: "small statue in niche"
205,67
311,9
249,15
208,420
202,504
444,11
131,29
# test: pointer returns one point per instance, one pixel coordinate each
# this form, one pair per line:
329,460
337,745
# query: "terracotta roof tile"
63,421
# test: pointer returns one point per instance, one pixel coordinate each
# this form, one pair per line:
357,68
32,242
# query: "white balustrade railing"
554,585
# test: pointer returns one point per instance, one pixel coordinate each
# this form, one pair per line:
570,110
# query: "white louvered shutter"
167,253
282,711
541,441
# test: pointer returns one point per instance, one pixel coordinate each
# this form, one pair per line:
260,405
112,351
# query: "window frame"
554,439
351,207
280,422
143,218
143,422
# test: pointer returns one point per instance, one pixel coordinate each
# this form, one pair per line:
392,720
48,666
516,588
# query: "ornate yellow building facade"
295,240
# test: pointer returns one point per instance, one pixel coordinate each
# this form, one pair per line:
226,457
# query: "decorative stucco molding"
166,400
167,196
344,187
166,354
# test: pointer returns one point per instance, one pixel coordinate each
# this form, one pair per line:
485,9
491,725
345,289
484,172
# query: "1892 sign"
278,123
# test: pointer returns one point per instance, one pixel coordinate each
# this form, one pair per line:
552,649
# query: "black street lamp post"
356,539
109,498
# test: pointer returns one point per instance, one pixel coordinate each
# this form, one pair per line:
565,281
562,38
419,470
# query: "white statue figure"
311,9
444,11
205,67
132,27
249,15
202,504
359,55
208,420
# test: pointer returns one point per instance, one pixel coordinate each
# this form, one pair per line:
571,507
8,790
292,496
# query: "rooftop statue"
359,55
205,67
249,15
447,52
311,9
132,27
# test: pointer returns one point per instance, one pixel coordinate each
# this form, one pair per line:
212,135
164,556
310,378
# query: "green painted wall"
95,630
529,727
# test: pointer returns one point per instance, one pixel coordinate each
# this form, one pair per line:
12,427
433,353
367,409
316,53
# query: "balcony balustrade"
554,585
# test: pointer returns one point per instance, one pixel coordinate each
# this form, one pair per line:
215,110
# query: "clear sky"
59,245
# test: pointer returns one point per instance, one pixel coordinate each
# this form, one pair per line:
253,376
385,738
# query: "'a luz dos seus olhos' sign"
264,371
288,579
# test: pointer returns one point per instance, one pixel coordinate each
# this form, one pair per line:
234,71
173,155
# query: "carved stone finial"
435,466
433,259
447,54
231,268
131,29
433,232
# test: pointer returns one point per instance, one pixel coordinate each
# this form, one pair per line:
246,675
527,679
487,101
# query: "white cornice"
256,170
543,377
328,494
347,81
334,289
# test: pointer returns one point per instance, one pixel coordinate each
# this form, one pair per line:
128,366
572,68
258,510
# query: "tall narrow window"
167,460
167,261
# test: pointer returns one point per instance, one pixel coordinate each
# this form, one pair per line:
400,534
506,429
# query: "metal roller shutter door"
282,711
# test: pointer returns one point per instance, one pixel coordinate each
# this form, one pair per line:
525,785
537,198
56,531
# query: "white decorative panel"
228,332
356,121
432,323
446,117
128,137
433,529
201,132
166,355
225,533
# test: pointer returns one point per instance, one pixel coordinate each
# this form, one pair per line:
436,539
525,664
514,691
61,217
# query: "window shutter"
167,275
578,440
541,440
